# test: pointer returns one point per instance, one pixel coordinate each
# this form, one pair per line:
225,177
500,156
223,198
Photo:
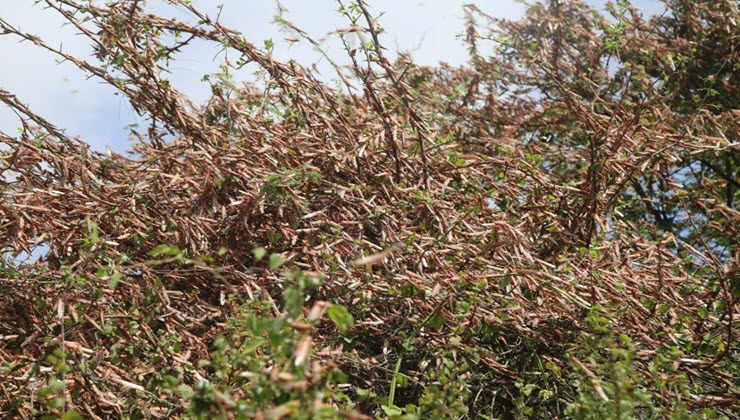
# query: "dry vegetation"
550,231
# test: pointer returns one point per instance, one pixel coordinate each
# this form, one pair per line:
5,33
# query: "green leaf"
276,261
259,253
437,320
391,411
276,336
71,415
56,385
409,290
293,301
114,279
254,345
186,391
528,388
94,233
340,316
165,249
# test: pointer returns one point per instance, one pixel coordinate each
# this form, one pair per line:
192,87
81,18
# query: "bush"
548,231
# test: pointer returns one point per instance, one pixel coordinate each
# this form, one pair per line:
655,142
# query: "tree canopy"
548,231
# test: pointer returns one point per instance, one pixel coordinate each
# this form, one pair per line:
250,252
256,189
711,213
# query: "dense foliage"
549,231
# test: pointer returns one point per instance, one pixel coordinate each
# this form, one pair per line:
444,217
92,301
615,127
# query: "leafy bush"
549,231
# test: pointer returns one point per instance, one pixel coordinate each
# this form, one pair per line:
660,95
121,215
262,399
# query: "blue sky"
87,108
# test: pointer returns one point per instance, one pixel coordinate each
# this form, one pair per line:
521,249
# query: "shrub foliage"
548,231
